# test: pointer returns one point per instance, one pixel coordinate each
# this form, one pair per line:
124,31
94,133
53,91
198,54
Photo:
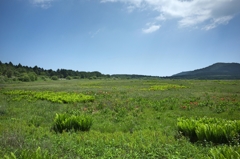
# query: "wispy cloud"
207,14
45,4
93,34
151,28
216,22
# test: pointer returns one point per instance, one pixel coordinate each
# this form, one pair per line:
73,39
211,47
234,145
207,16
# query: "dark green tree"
54,78
9,73
32,76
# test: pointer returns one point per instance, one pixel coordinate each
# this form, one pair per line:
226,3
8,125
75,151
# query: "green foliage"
210,129
127,122
67,122
35,121
24,78
3,79
54,78
165,87
38,154
32,76
55,97
9,73
225,152
3,110
43,78
9,70
76,77
68,78
27,77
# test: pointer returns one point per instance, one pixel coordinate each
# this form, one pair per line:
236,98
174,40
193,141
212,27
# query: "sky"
146,37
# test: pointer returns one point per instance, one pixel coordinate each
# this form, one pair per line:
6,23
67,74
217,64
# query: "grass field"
130,118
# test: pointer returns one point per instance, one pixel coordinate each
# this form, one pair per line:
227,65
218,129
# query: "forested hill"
25,73
9,71
215,71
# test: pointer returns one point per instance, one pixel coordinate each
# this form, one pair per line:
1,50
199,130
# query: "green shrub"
43,78
54,78
215,130
15,79
3,110
32,76
225,152
75,77
35,121
24,78
38,154
67,122
3,79
68,78
27,77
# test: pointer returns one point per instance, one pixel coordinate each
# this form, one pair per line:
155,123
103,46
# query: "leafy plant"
24,78
38,154
165,87
210,129
3,110
55,97
188,128
225,152
127,122
67,122
68,78
54,78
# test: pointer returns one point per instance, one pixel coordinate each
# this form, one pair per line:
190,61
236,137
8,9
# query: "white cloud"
151,28
45,4
218,21
160,17
189,13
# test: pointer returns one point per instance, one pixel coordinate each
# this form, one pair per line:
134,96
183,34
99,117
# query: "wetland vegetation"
107,118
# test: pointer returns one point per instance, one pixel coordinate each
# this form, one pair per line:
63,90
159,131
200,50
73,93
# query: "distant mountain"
134,76
215,71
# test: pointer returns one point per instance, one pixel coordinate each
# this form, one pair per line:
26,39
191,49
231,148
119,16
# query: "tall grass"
127,119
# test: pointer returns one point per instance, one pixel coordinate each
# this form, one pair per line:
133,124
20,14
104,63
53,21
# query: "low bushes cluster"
214,130
55,97
67,122
54,78
27,77
225,152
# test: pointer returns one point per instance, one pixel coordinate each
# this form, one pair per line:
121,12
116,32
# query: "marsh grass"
128,121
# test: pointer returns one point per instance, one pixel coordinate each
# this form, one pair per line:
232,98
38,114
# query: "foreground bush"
67,122
38,154
210,129
225,152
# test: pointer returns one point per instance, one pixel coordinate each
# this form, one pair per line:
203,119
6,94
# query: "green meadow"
107,118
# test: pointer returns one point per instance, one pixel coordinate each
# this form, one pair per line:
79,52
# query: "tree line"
26,73
9,71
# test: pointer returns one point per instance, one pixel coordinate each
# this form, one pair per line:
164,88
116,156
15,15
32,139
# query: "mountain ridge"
218,70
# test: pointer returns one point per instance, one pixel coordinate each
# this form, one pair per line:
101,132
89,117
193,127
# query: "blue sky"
148,37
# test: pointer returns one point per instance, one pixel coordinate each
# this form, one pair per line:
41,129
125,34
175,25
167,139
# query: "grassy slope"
130,121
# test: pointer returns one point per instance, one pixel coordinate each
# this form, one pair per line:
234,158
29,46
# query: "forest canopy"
26,74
